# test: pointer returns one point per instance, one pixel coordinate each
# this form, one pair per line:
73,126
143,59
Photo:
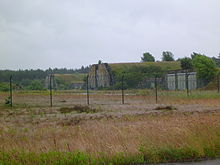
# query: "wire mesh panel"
125,88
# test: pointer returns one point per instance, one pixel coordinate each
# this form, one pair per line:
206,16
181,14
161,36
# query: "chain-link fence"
142,89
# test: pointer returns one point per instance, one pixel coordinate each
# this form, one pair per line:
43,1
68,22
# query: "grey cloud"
54,33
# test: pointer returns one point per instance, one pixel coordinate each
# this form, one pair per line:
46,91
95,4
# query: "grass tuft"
167,107
79,109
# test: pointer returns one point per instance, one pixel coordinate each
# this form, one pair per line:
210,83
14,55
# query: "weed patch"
168,107
79,109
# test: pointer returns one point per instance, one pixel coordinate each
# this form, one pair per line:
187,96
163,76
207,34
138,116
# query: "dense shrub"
205,67
4,87
135,75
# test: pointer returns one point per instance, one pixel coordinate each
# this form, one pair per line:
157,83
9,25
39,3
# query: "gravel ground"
208,162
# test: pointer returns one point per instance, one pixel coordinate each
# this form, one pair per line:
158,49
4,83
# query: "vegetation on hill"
164,65
71,78
136,73
65,81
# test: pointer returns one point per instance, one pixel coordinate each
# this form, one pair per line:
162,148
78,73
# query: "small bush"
168,107
79,109
8,100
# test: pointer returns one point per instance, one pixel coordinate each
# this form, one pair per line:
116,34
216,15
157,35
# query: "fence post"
51,95
218,83
87,88
187,83
122,89
156,89
176,80
11,100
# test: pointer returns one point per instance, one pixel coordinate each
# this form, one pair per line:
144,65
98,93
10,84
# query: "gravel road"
208,162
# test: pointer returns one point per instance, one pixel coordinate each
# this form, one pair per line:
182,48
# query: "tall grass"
150,138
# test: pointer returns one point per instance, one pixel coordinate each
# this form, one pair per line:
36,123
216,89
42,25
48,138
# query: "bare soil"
33,109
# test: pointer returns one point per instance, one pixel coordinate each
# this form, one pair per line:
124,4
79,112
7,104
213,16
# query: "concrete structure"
178,81
53,82
100,76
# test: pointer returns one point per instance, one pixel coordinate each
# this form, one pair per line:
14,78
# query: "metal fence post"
156,89
51,95
218,83
11,100
187,83
122,89
87,88
176,80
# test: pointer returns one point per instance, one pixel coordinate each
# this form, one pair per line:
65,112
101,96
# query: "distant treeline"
19,75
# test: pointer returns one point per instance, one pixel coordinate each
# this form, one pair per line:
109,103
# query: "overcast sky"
71,33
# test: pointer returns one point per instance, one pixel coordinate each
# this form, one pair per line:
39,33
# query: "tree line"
166,56
19,75
32,79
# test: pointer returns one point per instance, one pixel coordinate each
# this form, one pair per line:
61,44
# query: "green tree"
217,60
167,56
186,63
135,75
99,62
147,57
36,85
205,67
195,54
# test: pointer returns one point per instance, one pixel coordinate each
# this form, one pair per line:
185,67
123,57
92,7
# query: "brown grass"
79,109
132,97
127,134
137,127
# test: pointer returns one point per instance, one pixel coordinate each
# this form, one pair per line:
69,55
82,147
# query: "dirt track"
208,162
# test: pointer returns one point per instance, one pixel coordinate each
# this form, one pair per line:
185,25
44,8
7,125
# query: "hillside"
165,65
70,78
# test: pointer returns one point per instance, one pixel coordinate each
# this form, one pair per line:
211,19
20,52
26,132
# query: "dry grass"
127,134
132,97
135,128
79,109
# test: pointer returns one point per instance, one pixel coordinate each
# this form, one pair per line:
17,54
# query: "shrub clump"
8,101
167,107
79,109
